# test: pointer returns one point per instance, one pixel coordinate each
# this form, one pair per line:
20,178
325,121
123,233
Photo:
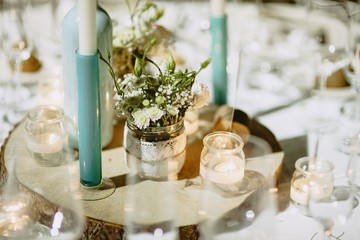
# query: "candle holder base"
105,189
252,181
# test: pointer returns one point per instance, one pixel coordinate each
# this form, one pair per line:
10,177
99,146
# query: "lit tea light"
46,143
229,171
16,214
300,189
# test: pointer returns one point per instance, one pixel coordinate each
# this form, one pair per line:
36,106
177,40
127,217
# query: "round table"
98,226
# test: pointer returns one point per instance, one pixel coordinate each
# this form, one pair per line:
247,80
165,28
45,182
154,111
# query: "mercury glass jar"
155,152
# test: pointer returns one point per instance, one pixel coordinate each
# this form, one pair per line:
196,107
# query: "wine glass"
40,202
354,164
150,207
351,108
244,209
17,45
329,50
333,204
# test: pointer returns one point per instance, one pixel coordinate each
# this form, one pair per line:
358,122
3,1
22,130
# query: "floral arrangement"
133,38
143,26
158,99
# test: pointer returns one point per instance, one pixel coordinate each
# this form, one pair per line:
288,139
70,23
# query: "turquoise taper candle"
218,28
89,119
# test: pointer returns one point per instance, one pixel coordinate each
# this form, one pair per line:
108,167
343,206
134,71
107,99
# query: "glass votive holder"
17,215
45,134
222,162
318,174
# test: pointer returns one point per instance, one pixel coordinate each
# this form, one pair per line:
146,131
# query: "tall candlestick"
87,27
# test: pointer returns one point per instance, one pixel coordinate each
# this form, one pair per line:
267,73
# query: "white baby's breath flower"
134,93
127,78
154,113
117,97
172,110
141,119
201,96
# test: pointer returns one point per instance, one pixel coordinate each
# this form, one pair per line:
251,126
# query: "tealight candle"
16,214
300,190
45,134
319,181
222,159
229,171
46,143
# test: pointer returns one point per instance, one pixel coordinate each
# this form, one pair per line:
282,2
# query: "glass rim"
306,171
234,136
31,115
174,127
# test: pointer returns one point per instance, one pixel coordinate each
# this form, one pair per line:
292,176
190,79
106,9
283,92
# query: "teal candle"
218,28
89,119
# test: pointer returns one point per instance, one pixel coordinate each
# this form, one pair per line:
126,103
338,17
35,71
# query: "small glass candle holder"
222,163
45,134
16,216
318,174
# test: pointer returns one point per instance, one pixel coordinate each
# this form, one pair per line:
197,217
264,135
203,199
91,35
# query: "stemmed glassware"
334,209
332,204
351,108
18,46
150,206
330,51
236,204
34,208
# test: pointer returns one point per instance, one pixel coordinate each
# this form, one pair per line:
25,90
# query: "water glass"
45,134
150,209
239,202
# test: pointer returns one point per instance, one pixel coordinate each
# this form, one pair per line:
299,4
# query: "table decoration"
155,105
333,211
16,215
143,27
351,108
222,158
17,47
51,210
218,29
93,97
148,217
320,176
251,190
99,24
227,161
105,218
329,53
45,134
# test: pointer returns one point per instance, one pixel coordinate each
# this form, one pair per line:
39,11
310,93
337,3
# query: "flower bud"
146,102
170,64
159,100
138,67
